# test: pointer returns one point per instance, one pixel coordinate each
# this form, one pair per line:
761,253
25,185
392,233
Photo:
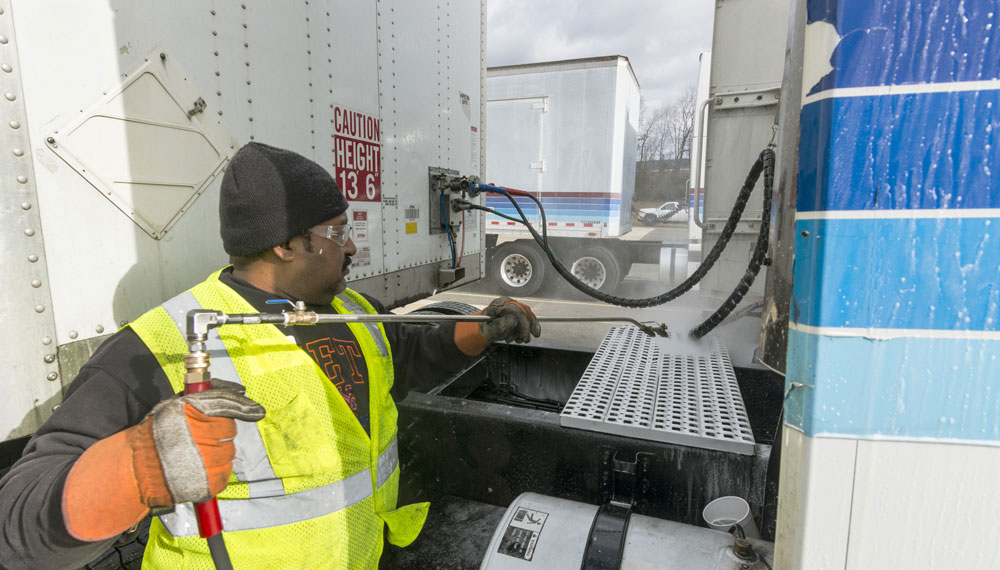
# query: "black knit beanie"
270,195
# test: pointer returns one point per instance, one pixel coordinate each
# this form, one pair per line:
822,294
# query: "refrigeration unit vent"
672,389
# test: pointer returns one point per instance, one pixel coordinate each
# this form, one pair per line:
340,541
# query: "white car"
666,212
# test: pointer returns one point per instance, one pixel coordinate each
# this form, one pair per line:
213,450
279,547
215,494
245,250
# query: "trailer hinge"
540,165
748,98
542,106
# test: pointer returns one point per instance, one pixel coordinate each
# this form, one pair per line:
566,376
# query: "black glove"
512,321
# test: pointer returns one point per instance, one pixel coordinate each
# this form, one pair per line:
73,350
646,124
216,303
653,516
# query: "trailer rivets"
53,376
18,152
6,68
39,308
14,125
32,258
73,334
50,140
3,39
9,96
22,179
36,283
50,358
25,206
46,340
122,323
99,328
29,232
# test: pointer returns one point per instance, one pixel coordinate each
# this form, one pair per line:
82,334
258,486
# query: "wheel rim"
515,270
590,270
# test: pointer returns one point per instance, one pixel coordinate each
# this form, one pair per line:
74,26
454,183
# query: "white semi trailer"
564,131
119,118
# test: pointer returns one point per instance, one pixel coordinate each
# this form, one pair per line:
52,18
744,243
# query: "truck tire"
518,268
596,267
446,308
649,219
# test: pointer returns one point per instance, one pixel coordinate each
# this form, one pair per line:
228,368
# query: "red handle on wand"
209,519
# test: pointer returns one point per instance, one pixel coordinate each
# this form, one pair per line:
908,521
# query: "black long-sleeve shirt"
122,382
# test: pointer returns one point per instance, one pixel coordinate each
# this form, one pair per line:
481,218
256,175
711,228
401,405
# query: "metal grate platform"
668,389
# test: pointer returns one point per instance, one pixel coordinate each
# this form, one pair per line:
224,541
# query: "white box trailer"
565,131
119,119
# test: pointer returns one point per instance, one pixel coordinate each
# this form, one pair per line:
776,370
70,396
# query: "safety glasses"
337,234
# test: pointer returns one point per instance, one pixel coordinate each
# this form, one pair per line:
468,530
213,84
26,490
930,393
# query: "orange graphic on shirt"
341,361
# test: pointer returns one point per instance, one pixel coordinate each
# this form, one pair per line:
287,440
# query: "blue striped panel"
941,274
856,154
902,388
913,41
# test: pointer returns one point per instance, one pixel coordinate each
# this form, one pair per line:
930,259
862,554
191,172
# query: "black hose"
703,268
759,253
220,557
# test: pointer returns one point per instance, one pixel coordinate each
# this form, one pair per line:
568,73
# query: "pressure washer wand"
650,328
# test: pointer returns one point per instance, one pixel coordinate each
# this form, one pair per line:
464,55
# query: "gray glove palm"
196,452
512,321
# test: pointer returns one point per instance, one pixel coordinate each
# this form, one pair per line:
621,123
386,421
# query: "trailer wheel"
519,269
649,219
596,267
446,308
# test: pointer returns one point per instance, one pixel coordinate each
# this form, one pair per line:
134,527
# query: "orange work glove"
181,452
512,321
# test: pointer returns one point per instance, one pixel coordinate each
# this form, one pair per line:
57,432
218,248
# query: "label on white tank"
521,536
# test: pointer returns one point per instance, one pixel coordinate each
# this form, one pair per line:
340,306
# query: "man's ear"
284,251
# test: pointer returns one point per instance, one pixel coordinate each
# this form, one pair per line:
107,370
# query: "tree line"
664,149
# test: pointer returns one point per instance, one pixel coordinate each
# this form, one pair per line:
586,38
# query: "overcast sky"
661,38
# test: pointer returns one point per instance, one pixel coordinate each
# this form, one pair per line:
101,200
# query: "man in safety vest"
296,438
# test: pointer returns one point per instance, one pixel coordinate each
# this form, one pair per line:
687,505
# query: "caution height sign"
357,154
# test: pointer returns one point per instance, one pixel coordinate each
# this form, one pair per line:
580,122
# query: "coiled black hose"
756,260
765,160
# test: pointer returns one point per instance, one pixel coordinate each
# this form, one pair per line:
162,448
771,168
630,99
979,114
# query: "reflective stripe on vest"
372,327
254,467
248,514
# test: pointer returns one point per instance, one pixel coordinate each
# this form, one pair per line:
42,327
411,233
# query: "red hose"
209,519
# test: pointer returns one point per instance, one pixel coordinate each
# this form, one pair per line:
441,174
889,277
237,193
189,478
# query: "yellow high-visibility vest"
310,488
